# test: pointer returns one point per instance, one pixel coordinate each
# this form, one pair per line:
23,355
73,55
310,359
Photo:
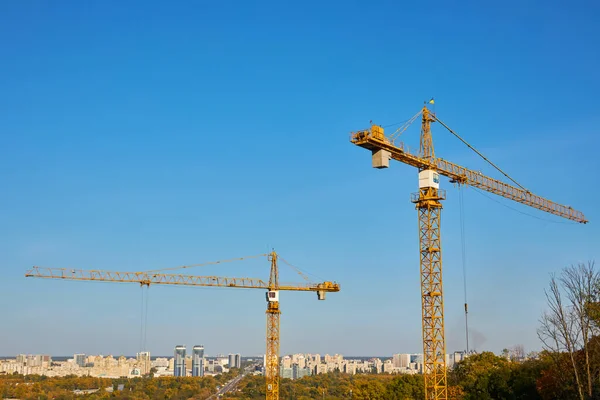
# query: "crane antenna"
479,153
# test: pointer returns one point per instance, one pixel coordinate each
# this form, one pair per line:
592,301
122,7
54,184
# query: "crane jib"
382,148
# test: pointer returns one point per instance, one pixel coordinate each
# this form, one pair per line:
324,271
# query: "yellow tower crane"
151,278
429,206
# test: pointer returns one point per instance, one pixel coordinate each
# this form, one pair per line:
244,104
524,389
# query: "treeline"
336,385
482,376
34,387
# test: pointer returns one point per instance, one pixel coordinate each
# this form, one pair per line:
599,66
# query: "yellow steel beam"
429,206
145,278
374,140
272,355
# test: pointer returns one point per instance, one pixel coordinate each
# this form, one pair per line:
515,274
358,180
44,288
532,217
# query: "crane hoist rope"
464,261
144,318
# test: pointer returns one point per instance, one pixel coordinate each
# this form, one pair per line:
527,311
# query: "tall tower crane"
150,278
428,203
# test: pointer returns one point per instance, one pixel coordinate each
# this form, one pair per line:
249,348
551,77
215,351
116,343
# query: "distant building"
416,358
79,359
235,361
179,364
401,360
144,361
457,357
299,372
286,372
198,361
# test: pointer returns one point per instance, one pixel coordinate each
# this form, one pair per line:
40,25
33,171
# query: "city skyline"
202,354
293,366
145,145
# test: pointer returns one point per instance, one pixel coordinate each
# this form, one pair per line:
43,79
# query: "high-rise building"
198,361
79,359
401,360
235,360
144,362
179,364
298,372
286,362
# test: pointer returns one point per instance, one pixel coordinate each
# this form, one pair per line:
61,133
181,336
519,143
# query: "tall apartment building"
79,359
198,361
401,360
144,362
235,361
179,364
34,360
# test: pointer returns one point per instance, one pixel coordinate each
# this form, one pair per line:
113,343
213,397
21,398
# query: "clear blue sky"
144,135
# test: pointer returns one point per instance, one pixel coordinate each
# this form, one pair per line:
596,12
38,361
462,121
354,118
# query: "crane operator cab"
272,296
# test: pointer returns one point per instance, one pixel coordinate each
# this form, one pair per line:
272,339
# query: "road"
229,386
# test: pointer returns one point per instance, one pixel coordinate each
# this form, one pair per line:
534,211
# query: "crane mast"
429,207
273,314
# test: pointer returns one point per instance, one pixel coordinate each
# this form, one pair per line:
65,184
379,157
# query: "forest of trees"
33,387
567,369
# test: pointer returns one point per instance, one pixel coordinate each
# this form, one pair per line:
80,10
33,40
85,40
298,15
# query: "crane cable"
404,127
207,263
300,272
478,153
464,260
144,319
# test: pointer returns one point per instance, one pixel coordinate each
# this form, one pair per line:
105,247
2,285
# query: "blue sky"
145,135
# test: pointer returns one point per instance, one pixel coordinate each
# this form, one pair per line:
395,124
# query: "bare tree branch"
559,330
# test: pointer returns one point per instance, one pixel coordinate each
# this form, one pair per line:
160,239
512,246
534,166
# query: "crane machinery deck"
428,204
272,288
